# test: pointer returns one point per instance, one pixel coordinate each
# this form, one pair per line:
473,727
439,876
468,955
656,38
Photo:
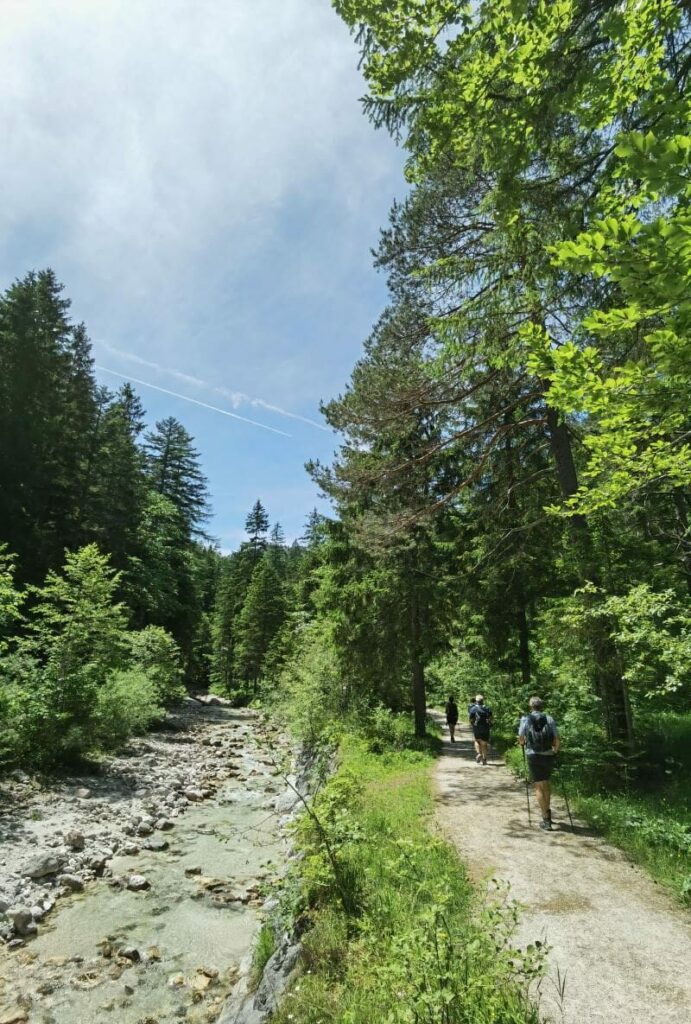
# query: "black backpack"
481,716
539,733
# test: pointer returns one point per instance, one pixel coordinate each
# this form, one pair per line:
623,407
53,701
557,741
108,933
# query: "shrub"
312,685
263,951
127,703
10,598
154,652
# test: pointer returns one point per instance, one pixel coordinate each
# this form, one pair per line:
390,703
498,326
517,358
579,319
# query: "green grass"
643,808
397,933
262,953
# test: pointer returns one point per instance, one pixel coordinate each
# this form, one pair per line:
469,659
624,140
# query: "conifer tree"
257,526
47,412
259,621
174,471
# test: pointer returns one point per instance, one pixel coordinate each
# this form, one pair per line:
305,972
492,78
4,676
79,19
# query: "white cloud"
156,130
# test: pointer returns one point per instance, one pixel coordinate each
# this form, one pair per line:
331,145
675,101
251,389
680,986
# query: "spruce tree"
259,621
174,471
257,526
47,412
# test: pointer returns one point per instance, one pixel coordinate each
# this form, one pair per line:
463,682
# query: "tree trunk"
417,668
521,617
523,642
611,686
680,506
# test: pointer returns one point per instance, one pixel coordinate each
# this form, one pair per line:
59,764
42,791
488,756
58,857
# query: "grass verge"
396,933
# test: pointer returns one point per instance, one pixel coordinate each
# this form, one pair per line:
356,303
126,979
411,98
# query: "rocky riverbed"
135,892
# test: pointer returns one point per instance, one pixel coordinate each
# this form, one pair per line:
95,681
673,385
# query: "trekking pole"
527,791
566,800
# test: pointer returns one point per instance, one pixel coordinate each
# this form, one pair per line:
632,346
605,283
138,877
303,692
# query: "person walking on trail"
452,717
481,720
539,737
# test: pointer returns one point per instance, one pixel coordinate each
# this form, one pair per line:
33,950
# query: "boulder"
71,882
75,840
22,919
97,863
42,865
156,845
137,883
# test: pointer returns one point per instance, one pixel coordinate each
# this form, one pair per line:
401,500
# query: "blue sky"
202,179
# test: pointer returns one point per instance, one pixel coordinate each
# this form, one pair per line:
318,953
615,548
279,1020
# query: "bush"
154,652
128,703
312,685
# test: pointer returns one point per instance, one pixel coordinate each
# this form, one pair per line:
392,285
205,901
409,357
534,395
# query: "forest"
510,496
509,501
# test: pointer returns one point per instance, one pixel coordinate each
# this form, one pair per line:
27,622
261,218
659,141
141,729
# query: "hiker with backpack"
539,737
481,720
451,710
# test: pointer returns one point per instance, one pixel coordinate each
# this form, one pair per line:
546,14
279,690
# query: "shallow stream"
169,953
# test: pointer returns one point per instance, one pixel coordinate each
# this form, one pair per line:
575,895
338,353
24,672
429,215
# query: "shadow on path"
622,945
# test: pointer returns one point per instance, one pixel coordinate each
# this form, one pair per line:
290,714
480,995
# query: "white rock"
137,883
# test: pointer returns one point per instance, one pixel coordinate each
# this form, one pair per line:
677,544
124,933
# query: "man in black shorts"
539,735
481,720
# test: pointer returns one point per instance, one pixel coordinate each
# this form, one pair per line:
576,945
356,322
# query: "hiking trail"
617,938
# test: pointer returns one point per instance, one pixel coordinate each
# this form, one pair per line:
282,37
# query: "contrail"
236,398
194,401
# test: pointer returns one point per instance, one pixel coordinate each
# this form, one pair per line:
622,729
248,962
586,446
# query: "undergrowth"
396,933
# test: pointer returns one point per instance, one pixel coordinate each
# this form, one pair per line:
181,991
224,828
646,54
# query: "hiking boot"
546,824
478,758
484,760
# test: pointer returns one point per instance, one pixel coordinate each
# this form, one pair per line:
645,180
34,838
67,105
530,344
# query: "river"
172,950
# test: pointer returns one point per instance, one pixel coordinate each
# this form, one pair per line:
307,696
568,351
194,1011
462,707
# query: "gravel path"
622,946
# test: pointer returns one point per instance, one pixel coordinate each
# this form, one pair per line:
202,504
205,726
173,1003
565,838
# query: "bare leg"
452,730
478,751
543,795
484,750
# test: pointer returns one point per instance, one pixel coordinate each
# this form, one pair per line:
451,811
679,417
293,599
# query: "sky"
200,176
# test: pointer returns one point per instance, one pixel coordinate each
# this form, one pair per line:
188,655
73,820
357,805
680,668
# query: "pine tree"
117,483
174,471
257,526
47,412
262,615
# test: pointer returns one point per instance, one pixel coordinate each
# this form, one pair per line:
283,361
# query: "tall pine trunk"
523,640
417,667
680,507
611,685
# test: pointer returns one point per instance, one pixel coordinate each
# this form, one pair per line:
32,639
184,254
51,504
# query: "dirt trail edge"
616,938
